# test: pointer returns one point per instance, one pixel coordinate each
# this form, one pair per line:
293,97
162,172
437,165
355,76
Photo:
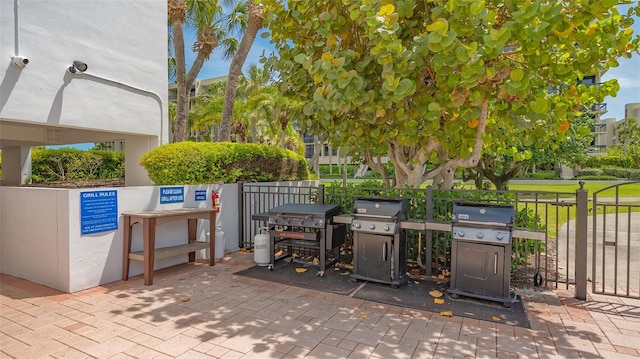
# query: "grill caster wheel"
537,280
506,305
320,274
270,267
454,296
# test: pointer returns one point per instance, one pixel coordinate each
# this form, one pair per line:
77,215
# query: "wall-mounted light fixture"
78,66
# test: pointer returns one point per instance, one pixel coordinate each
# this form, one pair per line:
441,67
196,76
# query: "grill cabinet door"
480,268
374,256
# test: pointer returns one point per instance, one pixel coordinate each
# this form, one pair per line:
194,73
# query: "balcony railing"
600,128
599,107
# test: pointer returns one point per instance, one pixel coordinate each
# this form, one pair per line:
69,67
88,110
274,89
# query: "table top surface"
169,212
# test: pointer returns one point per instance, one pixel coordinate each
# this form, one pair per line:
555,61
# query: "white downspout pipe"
155,95
16,24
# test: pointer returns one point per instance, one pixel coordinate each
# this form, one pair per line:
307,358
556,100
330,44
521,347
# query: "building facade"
605,133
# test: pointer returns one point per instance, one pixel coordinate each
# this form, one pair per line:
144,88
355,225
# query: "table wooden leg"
127,247
192,227
212,238
149,245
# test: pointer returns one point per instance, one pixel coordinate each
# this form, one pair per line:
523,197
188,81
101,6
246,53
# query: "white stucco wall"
123,41
41,241
121,96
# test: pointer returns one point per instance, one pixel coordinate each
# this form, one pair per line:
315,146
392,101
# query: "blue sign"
171,195
201,195
98,211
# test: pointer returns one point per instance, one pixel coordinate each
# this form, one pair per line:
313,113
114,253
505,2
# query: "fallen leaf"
440,276
243,250
446,273
279,253
364,316
301,270
447,314
435,293
495,319
185,299
438,300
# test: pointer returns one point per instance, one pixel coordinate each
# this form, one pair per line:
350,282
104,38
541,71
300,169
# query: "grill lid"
306,209
482,213
396,209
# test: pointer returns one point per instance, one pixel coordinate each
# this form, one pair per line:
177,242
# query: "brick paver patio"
197,311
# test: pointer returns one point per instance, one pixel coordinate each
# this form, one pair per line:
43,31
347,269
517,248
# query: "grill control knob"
288,220
372,226
301,221
357,225
499,236
479,234
386,227
461,233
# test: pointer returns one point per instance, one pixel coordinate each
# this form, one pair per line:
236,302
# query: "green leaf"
539,106
516,74
300,58
440,26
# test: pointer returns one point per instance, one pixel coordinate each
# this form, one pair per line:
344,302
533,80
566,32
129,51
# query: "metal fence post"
241,211
429,235
321,194
582,213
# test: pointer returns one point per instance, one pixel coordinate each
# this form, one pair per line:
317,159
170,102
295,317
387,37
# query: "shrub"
543,175
590,172
597,178
205,162
628,173
609,161
68,164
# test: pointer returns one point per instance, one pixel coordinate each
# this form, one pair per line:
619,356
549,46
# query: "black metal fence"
544,246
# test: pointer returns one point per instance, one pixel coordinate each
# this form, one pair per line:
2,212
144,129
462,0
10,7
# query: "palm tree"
212,28
256,19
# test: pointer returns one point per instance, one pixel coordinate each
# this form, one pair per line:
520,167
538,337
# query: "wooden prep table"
151,219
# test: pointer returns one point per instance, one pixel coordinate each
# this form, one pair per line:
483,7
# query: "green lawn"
627,190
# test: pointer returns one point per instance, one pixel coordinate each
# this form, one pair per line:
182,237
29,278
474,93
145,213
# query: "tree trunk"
182,100
255,23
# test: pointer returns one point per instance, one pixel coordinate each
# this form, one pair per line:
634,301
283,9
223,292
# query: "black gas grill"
305,226
481,251
379,244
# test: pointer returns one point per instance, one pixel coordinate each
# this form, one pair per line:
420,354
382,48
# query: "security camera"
19,61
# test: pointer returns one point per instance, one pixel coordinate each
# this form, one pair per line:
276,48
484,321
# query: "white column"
16,165
134,148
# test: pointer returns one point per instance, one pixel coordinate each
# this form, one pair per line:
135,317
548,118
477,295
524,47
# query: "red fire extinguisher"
215,201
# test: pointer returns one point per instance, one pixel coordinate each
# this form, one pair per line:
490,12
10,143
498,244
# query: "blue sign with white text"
98,211
171,195
201,195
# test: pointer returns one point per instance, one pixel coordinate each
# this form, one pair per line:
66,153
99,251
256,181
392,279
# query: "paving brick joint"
196,311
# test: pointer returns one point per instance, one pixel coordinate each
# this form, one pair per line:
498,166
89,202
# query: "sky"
627,74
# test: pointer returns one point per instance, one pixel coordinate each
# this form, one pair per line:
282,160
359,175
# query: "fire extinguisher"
215,201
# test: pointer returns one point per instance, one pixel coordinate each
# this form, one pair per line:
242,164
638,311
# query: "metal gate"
614,242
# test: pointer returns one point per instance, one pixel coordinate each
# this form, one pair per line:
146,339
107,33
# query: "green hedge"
628,173
68,164
206,162
609,161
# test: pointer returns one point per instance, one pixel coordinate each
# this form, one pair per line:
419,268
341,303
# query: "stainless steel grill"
306,226
481,252
379,244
